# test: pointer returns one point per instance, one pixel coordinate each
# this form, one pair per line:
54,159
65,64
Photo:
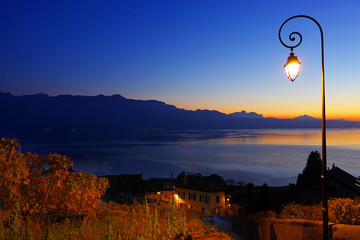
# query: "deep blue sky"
222,55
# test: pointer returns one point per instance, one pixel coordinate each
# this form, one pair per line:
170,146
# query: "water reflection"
258,156
347,137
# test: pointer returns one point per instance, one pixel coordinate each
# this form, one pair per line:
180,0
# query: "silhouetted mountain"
305,117
112,115
244,114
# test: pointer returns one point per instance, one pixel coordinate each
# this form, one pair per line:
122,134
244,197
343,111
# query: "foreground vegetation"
42,198
341,211
113,221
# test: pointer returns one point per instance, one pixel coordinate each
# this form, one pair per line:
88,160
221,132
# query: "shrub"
270,214
341,210
344,210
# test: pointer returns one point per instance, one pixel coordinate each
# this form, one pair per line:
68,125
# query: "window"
217,199
204,199
181,194
192,196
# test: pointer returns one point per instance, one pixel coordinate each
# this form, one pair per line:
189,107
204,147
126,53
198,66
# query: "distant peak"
305,117
38,95
118,96
6,94
244,114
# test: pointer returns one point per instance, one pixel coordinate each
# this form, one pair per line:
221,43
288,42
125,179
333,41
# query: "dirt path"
224,224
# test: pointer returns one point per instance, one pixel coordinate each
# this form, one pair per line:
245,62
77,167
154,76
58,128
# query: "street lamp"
292,68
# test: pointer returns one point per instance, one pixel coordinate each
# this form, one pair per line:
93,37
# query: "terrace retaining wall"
285,229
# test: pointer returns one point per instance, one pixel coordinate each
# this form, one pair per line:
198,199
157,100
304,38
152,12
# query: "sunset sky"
220,55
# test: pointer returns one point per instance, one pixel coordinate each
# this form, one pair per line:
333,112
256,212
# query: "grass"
112,221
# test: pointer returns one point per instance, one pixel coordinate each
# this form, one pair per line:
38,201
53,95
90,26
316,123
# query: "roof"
345,178
157,184
125,183
212,183
334,173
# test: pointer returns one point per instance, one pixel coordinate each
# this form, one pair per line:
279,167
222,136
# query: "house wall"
159,197
337,189
211,207
123,198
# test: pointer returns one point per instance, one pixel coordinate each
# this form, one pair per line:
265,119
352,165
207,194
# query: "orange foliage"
344,210
44,185
341,210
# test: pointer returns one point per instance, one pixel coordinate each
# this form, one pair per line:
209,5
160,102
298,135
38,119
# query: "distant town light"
292,67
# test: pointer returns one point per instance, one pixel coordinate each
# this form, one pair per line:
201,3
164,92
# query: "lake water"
274,157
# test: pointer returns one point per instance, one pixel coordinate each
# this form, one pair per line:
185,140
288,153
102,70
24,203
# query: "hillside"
66,114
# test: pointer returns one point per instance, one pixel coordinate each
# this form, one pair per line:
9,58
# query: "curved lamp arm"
292,38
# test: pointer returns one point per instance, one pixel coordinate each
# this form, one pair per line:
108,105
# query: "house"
203,193
193,191
159,190
250,199
125,189
340,185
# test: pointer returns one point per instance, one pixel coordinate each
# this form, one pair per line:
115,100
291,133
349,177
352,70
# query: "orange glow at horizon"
273,108
285,114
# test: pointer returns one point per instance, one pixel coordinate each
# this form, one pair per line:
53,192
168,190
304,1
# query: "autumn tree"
44,184
14,173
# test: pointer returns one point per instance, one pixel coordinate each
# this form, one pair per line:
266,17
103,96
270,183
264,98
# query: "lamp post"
292,68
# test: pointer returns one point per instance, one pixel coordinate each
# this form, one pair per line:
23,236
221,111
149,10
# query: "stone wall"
285,229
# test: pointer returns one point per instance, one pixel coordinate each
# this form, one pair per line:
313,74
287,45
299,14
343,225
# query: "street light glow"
292,67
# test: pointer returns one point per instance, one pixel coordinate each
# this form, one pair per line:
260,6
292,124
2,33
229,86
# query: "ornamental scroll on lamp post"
292,68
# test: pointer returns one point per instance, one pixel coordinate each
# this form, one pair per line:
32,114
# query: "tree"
313,165
250,187
44,185
230,182
241,183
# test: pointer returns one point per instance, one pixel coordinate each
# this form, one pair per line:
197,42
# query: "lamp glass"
292,66
292,70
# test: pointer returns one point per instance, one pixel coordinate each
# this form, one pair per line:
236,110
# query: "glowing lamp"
292,67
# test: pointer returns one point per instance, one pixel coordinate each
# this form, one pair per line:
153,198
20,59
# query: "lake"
274,157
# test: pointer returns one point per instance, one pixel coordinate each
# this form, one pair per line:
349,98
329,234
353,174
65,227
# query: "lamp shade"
292,67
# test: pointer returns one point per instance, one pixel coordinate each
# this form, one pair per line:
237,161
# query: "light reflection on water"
271,156
341,138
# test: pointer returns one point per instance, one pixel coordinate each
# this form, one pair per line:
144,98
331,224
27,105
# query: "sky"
220,55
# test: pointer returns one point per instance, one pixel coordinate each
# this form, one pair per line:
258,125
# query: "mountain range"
116,114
